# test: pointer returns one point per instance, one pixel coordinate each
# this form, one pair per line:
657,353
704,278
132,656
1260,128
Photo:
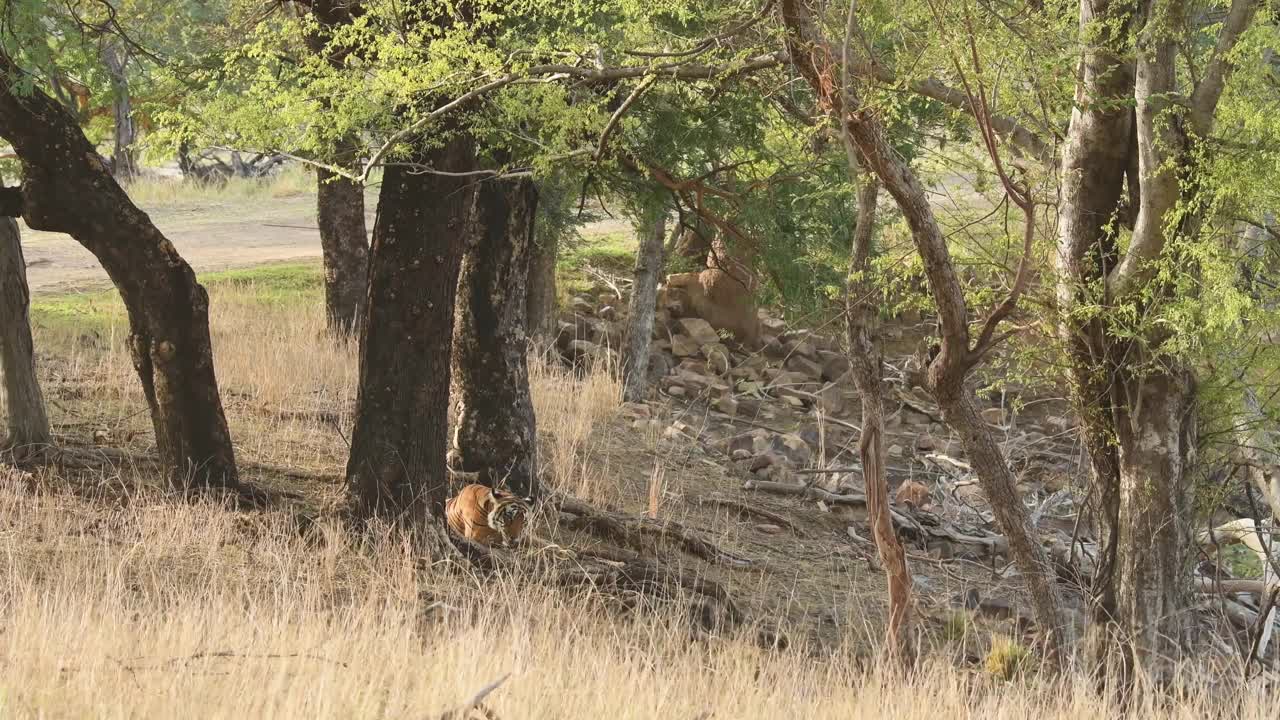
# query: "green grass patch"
268,285
612,253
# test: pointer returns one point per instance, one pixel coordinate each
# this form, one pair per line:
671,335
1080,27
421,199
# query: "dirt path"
212,236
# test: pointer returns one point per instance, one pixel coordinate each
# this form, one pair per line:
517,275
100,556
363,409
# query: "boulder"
834,365
808,367
717,356
727,405
683,346
700,330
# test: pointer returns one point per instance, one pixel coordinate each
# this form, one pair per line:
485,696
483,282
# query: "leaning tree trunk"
540,296
116,61
28,423
66,188
866,360
496,435
815,59
396,469
344,244
644,299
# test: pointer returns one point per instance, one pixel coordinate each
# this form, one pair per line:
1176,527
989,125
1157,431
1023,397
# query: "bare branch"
1204,99
622,110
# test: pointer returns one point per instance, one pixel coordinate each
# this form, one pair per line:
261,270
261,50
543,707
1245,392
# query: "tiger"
487,516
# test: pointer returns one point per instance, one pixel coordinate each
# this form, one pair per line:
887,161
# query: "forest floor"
119,599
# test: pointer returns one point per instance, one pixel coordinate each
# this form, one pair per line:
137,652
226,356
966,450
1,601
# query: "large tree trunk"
496,434
814,58
644,298
397,465
541,293
116,61
1157,432
344,244
866,360
28,423
66,188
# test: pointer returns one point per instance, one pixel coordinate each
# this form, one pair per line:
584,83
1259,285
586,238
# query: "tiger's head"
507,513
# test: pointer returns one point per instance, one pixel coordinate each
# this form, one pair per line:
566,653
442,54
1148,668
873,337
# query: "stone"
766,460
831,400
773,325
769,529
581,305
773,349
994,415
717,356
683,346
676,391
792,447
811,369
607,313
603,332
744,373
727,405
895,450
912,494
926,441
659,366
748,406
700,330
635,410
740,455
801,348
834,365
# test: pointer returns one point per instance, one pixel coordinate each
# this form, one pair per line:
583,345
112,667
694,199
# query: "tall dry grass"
158,191
161,608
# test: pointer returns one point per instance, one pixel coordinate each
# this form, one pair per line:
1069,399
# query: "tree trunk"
541,292
644,298
116,61
496,434
866,360
28,423
1156,430
814,58
397,465
344,244
66,188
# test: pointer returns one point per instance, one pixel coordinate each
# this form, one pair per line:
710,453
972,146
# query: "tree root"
745,509
630,530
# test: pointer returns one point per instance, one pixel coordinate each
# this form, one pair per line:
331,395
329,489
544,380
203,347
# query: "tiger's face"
507,514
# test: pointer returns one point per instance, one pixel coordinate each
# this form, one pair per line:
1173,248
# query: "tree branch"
1204,99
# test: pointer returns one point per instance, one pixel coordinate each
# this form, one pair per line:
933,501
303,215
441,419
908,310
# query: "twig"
459,712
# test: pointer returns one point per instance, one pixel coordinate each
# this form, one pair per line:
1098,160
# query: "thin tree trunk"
28,423
866,359
496,433
814,58
344,244
116,61
644,298
540,313
397,465
168,310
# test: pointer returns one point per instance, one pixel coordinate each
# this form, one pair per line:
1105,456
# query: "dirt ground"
211,235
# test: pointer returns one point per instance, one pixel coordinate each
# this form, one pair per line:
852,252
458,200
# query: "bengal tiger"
487,516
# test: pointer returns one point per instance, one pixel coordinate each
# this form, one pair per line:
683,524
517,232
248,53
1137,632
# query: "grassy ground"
120,600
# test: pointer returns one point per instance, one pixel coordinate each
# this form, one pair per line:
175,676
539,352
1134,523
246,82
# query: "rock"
925,441
834,365
717,356
679,430
700,330
581,305
603,332
748,406
811,369
768,529
772,325
744,373
676,391
994,415
659,366
727,405
793,402
911,494
740,455
792,447
607,313
635,410
801,348
831,400
773,349
693,365
895,450
766,460
683,346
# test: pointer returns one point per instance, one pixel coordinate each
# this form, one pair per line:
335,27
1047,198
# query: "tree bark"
644,299
344,244
541,293
116,61
396,469
867,361
66,188
496,433
28,422
815,59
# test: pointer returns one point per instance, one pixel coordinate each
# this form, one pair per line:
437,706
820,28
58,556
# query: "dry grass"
159,607
157,191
